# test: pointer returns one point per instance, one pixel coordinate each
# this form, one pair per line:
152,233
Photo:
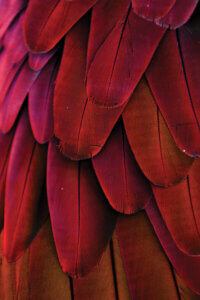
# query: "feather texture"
179,207
172,94
124,185
47,22
15,96
151,10
179,14
24,186
150,140
144,261
188,267
41,102
75,201
121,59
5,146
7,15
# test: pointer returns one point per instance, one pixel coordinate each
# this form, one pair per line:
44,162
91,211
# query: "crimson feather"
151,10
179,207
188,267
8,15
179,14
172,94
75,200
13,40
24,187
145,263
150,140
5,146
47,22
41,102
123,183
16,95
38,60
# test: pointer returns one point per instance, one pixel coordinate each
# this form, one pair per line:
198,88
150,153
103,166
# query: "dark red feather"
148,271
188,267
167,78
82,220
5,146
151,10
179,207
24,189
123,183
15,96
40,102
7,15
150,140
179,14
46,22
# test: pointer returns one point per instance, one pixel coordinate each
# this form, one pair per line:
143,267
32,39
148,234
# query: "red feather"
147,268
151,10
167,78
82,220
41,102
179,14
24,187
13,40
8,10
150,140
121,59
15,96
188,267
123,183
5,145
179,207
70,95
46,22
37,61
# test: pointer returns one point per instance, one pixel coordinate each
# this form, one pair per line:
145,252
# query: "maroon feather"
38,60
13,40
41,102
168,81
188,267
123,183
5,145
78,123
189,39
82,220
7,15
16,96
47,22
179,14
8,72
179,207
151,10
121,60
105,17
24,187
148,271
150,140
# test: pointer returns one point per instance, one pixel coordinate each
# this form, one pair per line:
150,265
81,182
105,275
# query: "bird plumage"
99,149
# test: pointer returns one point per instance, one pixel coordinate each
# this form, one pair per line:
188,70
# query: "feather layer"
145,263
24,212
179,207
150,140
40,102
188,267
172,94
47,22
75,200
123,183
